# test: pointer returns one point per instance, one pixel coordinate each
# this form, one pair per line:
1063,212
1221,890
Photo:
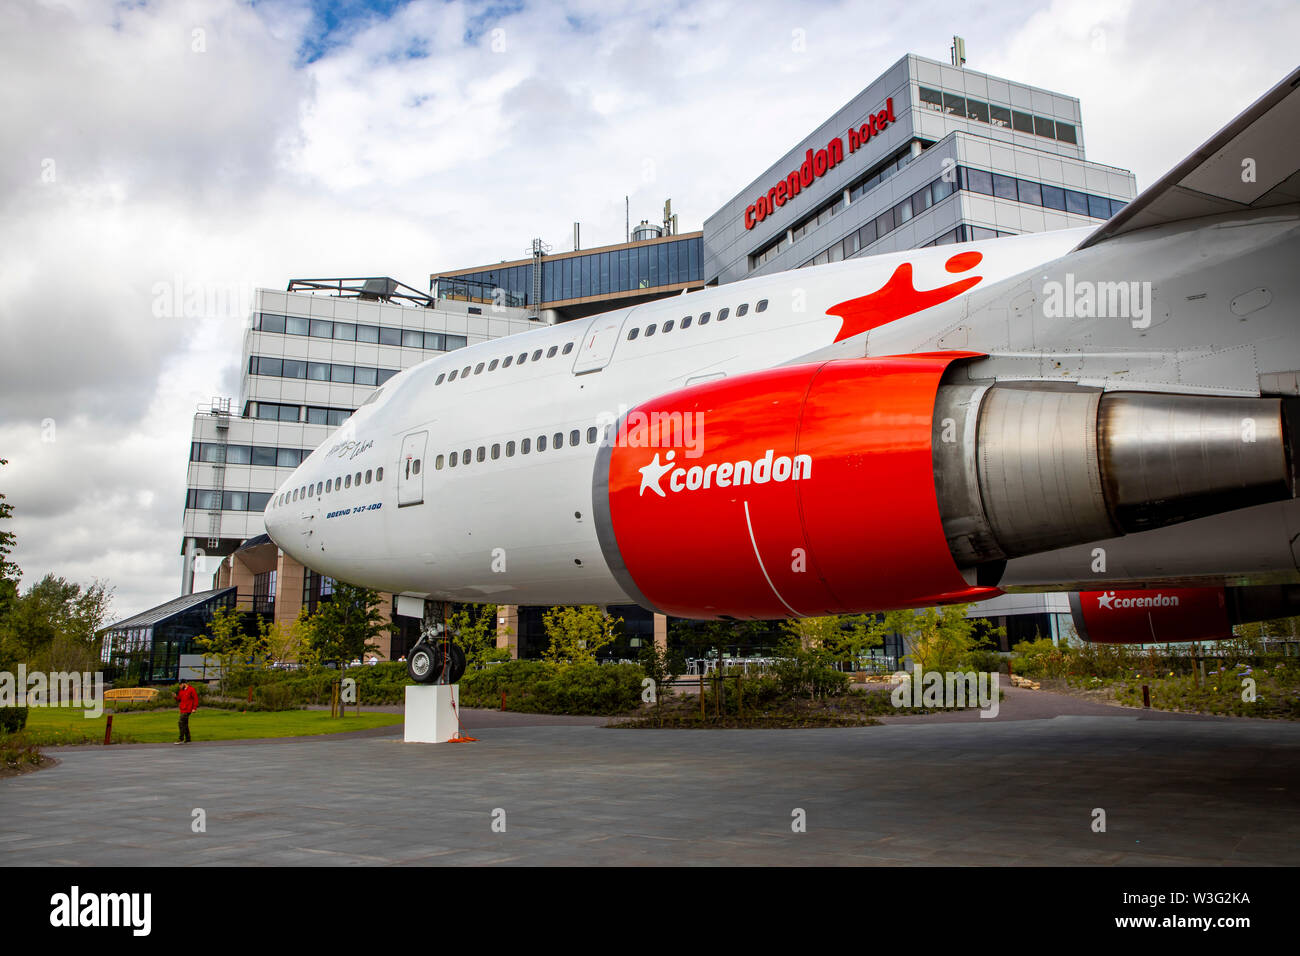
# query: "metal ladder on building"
220,407
540,249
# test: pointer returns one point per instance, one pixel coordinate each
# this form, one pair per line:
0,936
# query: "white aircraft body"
1072,410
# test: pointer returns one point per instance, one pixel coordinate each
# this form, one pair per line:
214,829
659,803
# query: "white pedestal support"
431,713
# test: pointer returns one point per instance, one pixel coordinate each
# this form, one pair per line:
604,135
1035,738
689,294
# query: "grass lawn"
66,725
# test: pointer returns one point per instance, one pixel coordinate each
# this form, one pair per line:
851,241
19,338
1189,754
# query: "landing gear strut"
434,659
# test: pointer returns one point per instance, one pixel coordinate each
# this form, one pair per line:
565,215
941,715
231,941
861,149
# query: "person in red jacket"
187,699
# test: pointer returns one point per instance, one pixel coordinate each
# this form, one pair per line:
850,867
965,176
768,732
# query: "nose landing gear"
439,662
435,659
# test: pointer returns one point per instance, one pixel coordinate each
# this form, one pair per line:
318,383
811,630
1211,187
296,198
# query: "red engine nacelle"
797,491
1163,616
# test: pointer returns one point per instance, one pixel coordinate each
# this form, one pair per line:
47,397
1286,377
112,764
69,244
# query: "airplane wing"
1252,163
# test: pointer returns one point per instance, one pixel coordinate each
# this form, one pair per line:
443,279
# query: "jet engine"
869,484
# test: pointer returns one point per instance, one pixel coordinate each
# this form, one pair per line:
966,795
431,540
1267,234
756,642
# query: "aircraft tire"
455,663
424,663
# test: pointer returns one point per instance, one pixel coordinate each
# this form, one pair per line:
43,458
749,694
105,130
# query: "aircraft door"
410,473
598,343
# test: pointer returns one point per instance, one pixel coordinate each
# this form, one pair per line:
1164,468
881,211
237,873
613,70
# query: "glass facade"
598,273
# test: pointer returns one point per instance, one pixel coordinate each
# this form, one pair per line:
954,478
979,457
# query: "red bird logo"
899,297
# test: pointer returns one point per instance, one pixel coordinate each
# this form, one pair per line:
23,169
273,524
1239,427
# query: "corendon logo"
816,165
899,298
725,475
1110,601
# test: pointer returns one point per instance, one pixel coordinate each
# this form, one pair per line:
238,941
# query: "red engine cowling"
796,491
1161,616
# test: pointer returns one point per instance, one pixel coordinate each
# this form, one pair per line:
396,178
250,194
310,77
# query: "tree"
474,628
662,666
578,633
9,572
42,613
344,627
940,638
226,641
284,642
839,637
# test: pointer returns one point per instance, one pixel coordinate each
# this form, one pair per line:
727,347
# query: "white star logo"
653,472
1106,600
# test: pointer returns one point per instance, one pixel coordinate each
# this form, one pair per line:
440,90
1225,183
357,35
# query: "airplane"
1078,410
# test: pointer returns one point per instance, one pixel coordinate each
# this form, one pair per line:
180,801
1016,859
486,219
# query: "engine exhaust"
1025,468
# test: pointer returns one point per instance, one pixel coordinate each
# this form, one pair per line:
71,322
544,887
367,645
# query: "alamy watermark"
638,429
950,689
57,689
1085,299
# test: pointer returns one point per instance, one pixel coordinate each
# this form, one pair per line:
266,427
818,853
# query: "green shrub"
274,696
983,661
12,719
805,674
1040,658
540,687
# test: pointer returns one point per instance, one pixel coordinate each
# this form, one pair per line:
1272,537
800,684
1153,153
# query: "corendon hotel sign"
816,165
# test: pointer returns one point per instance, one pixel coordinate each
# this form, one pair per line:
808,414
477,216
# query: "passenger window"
347,483
762,306
329,486
704,318
508,360
537,355
510,449
452,376
478,369
492,365
453,460
379,474
722,314
310,489
464,373
338,484
440,378
465,456
523,445
558,440
550,353
632,333
568,347
496,452
668,326
591,435
523,357
575,438
320,485
650,329
742,309
417,471
438,462
686,322
369,475
541,443
482,453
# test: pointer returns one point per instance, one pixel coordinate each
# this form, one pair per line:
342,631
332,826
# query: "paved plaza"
1020,789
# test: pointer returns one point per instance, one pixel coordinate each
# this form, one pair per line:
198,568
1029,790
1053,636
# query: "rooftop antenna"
958,51
627,220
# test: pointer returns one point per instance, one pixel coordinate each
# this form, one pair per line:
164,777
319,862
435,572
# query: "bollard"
1146,696
503,700
108,730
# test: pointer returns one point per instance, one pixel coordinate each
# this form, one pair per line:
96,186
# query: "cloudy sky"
237,145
